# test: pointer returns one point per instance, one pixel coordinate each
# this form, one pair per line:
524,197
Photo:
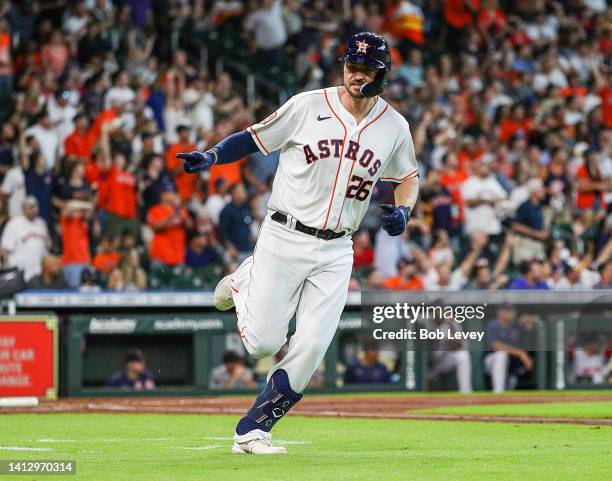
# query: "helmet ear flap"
376,86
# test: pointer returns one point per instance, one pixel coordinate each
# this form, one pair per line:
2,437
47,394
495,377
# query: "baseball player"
335,144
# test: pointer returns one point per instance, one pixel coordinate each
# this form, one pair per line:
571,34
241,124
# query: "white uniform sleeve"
276,130
403,164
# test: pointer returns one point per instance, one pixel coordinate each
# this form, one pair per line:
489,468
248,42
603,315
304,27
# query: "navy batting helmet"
372,50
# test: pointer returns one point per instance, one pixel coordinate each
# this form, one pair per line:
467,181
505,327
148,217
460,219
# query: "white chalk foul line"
102,440
46,440
21,448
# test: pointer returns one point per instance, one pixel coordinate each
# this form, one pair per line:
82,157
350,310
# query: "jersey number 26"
359,188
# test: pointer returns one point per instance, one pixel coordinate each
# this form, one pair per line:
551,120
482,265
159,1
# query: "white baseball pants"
496,365
292,273
459,361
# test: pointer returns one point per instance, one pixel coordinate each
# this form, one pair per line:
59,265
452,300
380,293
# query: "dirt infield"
361,406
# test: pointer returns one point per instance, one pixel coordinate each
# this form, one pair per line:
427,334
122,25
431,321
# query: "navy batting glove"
197,161
395,219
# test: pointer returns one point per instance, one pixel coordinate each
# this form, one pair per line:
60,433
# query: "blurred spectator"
119,196
13,190
531,276
107,257
442,277
26,241
529,225
54,54
78,143
234,222
7,140
269,33
6,69
232,374
591,186
437,202
52,275
90,280
448,355
134,375
605,272
153,181
368,370
186,183
200,251
169,223
39,184
408,278
589,364
47,139
217,200
73,186
363,254
75,240
482,193
505,360
129,275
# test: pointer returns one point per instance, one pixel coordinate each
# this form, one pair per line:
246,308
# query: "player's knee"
265,347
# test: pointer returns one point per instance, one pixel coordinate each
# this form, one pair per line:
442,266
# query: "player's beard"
348,86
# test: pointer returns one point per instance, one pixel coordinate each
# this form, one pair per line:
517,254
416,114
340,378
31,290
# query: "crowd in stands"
509,103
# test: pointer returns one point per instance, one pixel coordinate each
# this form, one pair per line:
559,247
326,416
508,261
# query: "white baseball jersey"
26,241
329,163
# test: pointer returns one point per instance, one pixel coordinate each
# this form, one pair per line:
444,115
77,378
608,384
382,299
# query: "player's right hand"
197,161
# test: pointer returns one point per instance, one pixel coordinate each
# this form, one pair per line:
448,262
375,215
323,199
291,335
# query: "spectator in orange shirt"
470,152
111,115
451,178
591,185
118,192
407,278
186,183
516,124
75,240
108,256
122,203
230,173
169,223
459,14
6,63
78,143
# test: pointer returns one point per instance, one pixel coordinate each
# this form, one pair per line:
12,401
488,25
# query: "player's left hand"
197,161
395,219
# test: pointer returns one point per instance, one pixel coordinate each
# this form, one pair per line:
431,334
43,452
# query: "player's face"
355,75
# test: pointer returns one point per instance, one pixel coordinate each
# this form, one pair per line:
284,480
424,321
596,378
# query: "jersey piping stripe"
411,174
258,140
371,122
251,271
352,166
331,201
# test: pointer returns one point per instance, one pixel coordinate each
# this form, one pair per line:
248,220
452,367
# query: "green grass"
150,447
591,409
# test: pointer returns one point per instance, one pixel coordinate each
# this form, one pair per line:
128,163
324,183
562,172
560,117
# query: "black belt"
326,234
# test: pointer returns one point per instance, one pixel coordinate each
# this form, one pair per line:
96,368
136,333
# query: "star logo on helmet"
362,46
